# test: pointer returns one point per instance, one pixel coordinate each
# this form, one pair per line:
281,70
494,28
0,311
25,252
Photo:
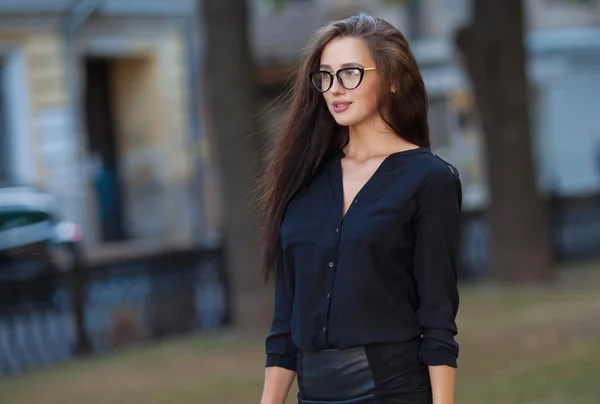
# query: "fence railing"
98,309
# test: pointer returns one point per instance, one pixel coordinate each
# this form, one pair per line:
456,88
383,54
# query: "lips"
341,106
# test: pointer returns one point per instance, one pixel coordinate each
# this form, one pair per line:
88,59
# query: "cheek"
369,100
328,98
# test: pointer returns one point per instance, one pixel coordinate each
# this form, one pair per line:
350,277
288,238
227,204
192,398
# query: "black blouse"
385,272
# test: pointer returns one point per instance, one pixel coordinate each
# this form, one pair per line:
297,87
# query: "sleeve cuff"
281,361
438,357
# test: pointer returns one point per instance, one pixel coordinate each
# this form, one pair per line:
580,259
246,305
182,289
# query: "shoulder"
429,168
437,178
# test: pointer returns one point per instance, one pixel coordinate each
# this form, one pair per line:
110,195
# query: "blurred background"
131,133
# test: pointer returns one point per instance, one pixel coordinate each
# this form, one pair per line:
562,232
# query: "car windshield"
21,227
12,219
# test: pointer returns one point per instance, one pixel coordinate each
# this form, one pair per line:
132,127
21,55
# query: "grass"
526,346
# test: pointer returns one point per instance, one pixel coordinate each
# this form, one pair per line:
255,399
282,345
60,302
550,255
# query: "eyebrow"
351,64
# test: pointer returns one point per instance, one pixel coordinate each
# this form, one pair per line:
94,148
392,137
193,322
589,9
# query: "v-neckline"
367,184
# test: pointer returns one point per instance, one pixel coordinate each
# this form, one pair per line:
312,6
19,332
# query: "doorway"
103,148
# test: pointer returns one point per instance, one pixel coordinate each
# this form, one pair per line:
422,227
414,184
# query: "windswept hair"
309,135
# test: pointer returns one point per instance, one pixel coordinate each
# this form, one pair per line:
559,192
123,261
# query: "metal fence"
98,309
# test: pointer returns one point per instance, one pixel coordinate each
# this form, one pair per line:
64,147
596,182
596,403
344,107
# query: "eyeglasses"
348,77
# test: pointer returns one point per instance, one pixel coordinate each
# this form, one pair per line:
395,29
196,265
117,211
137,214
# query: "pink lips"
341,106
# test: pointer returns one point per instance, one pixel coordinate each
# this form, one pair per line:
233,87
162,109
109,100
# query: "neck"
374,138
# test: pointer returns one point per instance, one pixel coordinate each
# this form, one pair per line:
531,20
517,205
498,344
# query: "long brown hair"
310,136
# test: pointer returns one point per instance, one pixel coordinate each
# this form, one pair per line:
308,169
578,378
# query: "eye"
352,72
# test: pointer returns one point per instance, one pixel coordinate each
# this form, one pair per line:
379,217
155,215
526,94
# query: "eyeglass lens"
348,78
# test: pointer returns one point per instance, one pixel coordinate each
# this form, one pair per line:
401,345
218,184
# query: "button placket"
336,232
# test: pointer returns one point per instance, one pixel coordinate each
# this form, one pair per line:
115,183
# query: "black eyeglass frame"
336,74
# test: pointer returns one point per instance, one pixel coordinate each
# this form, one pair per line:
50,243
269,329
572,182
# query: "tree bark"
495,58
232,95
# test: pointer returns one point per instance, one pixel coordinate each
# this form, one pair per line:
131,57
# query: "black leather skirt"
375,374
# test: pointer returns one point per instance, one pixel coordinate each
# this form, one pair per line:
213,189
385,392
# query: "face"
350,107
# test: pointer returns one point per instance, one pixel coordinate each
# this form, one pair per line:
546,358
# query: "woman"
360,230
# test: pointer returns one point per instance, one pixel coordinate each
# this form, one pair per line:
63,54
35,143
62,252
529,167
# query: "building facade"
97,108
99,104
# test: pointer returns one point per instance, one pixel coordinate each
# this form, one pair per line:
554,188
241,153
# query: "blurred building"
563,42
97,105
96,109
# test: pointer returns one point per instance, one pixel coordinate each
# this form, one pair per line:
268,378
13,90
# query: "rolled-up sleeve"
435,266
280,349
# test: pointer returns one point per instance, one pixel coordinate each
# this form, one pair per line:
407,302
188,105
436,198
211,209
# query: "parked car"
36,246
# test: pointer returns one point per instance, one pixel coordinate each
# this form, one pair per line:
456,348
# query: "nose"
337,88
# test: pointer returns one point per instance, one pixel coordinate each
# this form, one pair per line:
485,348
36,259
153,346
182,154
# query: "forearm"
277,385
443,380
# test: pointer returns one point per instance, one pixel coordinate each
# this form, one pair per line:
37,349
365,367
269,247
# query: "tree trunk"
495,58
232,106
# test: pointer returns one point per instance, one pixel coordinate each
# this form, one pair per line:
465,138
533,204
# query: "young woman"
360,230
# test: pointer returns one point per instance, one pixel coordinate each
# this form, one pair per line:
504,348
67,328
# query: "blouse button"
337,231
324,328
331,264
327,296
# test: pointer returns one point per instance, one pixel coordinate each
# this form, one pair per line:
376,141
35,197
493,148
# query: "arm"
277,385
442,383
436,251
281,351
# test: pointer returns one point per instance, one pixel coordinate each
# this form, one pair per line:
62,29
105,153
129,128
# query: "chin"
346,120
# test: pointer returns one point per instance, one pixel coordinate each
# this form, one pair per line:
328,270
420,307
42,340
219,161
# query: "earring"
393,90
